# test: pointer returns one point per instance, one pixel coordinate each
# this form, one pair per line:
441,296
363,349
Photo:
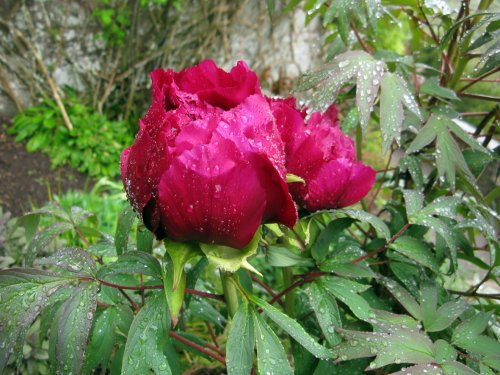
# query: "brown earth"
27,180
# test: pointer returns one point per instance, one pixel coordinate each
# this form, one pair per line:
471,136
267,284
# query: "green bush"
93,146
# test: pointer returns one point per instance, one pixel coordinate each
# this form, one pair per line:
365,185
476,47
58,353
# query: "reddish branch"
197,347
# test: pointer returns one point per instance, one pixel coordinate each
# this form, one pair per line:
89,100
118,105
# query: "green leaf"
136,262
74,260
73,328
79,215
356,270
271,357
293,328
146,339
321,247
431,87
125,222
414,201
416,250
411,164
240,343
457,368
365,217
144,239
104,336
24,293
347,292
203,310
403,297
391,111
444,351
424,369
326,311
446,315
43,238
279,256
471,327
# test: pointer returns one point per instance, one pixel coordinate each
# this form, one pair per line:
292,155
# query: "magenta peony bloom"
208,163
322,156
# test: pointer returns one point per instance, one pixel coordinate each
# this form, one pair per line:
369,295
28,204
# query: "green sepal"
230,259
174,276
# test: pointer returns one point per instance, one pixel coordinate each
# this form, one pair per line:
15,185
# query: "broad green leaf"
73,328
279,256
136,262
416,250
240,343
444,351
444,230
321,247
446,315
471,327
146,339
424,369
125,222
442,206
365,217
271,357
24,293
79,215
293,328
144,239
50,209
355,270
414,201
43,238
105,334
431,87
200,308
326,311
404,298
368,80
347,292
456,368
74,260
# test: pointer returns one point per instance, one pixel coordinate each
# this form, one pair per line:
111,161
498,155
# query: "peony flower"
323,156
208,163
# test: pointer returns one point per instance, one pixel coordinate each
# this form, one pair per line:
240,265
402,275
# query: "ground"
27,180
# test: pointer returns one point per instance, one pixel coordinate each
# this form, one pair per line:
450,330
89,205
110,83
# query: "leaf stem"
197,347
290,297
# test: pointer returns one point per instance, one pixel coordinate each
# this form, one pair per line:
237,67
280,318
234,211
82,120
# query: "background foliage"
377,287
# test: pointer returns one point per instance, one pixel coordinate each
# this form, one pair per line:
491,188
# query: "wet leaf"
241,342
74,260
125,222
326,311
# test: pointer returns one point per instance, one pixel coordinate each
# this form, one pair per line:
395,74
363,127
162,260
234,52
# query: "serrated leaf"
74,260
146,339
326,311
279,256
347,291
136,262
73,328
271,357
293,328
416,250
43,238
125,222
241,342
24,293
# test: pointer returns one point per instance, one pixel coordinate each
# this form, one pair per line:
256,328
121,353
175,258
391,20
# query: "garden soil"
27,180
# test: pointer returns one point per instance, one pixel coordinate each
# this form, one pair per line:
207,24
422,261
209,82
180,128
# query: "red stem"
197,347
212,333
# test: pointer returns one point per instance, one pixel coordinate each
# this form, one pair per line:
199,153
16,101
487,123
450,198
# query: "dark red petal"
211,194
361,181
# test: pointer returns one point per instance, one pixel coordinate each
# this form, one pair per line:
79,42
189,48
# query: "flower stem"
290,297
230,293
